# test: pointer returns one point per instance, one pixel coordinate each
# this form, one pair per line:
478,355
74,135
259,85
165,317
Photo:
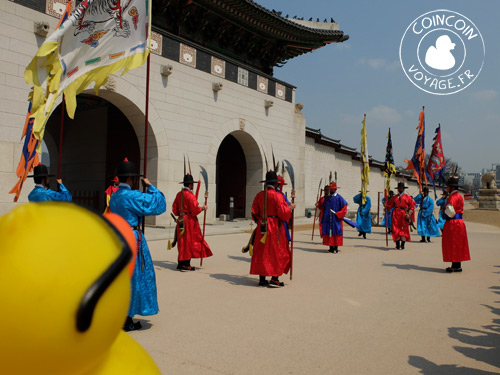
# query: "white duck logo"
440,56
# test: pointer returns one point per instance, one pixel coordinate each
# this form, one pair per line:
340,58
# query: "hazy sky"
340,82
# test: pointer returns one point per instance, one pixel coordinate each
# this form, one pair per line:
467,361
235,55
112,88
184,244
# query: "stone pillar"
489,199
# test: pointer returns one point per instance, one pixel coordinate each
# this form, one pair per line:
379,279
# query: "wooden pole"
146,128
386,218
61,138
203,236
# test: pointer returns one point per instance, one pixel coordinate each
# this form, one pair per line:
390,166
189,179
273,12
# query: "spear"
289,169
204,174
263,222
318,197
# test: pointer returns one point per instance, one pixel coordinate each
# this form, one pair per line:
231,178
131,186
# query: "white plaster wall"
320,160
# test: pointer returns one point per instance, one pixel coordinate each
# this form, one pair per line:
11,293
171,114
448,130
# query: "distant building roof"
343,149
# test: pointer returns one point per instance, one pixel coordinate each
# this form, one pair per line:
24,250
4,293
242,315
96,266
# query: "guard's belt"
456,217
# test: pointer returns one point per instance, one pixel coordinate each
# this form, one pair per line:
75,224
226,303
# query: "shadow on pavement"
496,289
321,251
145,324
383,248
241,259
409,267
430,368
236,279
165,264
486,350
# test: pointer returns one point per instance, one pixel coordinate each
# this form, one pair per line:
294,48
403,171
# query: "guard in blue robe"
334,208
441,203
42,192
427,225
388,213
363,217
132,205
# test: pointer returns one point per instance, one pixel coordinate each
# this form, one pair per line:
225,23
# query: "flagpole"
386,217
146,128
61,139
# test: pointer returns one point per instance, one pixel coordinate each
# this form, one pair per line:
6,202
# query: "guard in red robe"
110,191
455,244
188,233
403,205
334,209
271,252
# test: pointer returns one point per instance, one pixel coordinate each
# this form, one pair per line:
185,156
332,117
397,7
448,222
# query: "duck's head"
65,286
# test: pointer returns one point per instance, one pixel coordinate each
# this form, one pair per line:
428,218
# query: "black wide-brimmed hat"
453,181
127,169
402,185
271,177
188,179
425,189
41,171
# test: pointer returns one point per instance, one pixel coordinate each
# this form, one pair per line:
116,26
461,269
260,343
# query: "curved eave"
262,21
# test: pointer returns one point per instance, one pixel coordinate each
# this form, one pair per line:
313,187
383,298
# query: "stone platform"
489,199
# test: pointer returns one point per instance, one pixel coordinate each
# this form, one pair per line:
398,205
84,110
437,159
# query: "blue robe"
287,231
442,206
427,225
132,205
40,194
389,216
330,223
363,217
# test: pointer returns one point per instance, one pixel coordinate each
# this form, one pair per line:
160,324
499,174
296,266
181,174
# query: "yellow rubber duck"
65,292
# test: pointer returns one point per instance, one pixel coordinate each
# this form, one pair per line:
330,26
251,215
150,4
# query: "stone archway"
238,164
94,142
230,177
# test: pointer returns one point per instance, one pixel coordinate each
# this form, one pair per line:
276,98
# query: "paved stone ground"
367,310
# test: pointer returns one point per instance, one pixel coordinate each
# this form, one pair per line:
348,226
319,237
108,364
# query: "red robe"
109,192
271,258
400,226
190,243
455,244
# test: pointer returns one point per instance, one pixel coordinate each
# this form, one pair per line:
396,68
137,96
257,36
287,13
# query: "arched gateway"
238,171
93,143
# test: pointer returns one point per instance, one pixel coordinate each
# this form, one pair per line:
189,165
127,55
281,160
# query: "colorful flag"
390,168
99,38
417,162
436,164
29,157
365,173
65,15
